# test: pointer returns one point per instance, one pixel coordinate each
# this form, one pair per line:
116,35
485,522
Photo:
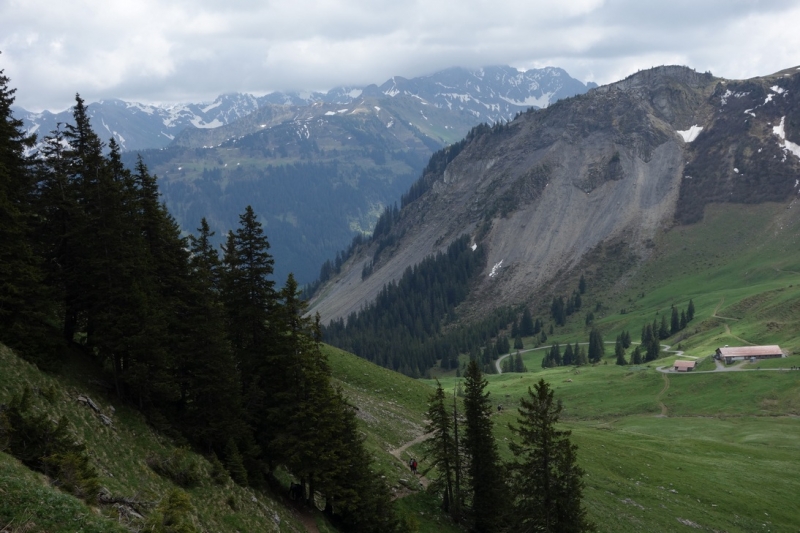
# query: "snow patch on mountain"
496,269
531,101
198,122
691,134
212,106
786,145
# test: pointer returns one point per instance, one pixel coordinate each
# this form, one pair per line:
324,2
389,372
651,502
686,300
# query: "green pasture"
723,458
741,268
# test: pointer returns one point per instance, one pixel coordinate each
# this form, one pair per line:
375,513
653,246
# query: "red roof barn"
755,353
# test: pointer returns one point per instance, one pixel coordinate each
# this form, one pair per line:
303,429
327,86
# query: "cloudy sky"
193,50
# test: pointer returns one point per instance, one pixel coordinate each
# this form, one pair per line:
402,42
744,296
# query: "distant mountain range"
490,94
318,168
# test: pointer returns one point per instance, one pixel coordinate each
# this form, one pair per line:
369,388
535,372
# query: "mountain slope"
317,175
319,168
615,165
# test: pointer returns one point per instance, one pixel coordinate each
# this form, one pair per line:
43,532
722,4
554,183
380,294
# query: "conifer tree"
249,294
486,482
213,405
690,311
619,352
545,476
569,356
596,347
518,343
683,320
526,327
519,365
233,463
626,339
249,302
441,450
636,357
663,330
653,349
23,301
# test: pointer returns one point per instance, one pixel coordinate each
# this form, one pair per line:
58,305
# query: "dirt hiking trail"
398,454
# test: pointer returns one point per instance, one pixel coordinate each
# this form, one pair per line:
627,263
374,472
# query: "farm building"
683,366
753,353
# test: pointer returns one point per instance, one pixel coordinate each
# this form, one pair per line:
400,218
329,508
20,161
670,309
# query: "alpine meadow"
576,317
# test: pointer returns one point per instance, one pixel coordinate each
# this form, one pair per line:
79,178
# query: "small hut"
683,366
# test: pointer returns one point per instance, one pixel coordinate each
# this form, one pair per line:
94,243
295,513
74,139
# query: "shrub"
47,446
180,466
173,515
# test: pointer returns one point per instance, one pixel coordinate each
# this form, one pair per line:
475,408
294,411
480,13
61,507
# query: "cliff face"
617,164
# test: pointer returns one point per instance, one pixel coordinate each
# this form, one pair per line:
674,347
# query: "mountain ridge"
610,165
137,126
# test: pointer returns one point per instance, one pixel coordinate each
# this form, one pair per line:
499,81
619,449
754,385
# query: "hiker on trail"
414,466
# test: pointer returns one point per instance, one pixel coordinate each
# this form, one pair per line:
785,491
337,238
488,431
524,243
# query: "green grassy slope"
727,446
741,267
119,454
714,451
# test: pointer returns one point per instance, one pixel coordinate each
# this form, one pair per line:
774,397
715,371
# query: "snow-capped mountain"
138,126
489,94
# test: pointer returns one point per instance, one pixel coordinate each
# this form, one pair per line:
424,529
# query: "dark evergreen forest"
209,347
403,329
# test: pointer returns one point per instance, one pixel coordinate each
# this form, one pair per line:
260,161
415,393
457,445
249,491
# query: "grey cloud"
158,50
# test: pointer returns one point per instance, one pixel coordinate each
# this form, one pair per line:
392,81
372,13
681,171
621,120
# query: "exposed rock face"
610,165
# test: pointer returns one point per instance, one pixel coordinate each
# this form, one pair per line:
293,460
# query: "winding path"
397,452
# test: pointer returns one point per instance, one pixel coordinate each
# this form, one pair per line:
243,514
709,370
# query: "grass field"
662,452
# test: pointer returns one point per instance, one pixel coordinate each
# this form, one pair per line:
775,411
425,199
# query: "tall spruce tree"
663,330
213,408
442,453
569,356
675,322
485,474
519,365
526,327
23,300
249,300
596,346
546,479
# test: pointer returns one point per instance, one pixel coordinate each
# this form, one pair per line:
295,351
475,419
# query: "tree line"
539,490
204,344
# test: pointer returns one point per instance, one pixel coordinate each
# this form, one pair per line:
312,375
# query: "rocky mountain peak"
609,168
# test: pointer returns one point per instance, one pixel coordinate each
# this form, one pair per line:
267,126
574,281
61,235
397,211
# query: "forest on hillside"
217,357
206,346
